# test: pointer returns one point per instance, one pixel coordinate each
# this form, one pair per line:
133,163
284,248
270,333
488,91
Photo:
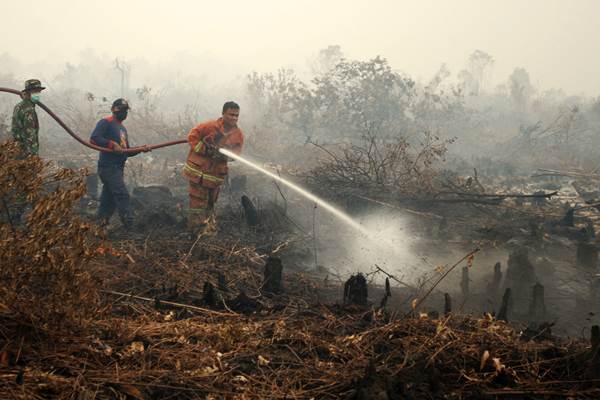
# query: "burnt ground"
186,317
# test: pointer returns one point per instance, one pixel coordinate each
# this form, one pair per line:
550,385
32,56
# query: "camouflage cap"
121,104
33,84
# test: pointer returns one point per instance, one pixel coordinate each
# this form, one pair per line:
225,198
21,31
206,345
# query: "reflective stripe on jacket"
210,171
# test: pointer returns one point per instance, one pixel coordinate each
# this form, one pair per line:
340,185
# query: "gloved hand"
221,157
210,150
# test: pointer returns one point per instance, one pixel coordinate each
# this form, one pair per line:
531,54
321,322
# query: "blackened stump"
249,211
355,290
537,308
209,297
272,275
504,308
447,304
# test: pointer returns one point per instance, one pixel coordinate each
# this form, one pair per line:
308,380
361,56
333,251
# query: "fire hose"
91,145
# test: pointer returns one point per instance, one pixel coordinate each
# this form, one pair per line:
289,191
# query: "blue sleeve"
99,134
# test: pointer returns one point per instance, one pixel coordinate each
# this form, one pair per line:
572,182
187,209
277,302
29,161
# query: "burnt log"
250,212
272,282
355,290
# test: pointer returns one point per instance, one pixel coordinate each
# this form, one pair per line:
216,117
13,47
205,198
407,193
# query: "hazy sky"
556,41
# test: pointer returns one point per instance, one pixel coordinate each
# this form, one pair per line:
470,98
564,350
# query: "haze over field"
554,40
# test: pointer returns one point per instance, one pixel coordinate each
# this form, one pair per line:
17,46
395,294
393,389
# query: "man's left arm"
143,149
236,144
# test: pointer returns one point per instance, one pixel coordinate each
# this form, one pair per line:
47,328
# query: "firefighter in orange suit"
206,168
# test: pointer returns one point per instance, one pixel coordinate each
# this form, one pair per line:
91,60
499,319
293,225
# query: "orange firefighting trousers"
202,203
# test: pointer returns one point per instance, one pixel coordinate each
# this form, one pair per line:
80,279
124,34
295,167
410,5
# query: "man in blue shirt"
111,133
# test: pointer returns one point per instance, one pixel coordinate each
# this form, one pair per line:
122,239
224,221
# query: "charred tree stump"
249,211
355,290
569,218
496,280
520,277
447,304
504,308
272,275
537,308
388,293
244,304
587,254
222,282
209,296
464,282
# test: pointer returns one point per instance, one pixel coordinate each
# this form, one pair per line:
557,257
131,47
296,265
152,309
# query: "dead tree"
355,290
504,308
537,307
272,282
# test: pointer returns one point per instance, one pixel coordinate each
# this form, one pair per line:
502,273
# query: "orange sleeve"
196,135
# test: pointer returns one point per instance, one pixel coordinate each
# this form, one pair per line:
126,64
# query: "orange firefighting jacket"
210,172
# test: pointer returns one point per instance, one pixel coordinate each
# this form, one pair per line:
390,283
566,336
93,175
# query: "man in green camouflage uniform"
25,126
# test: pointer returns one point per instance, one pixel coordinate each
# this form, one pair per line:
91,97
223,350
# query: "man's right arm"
196,138
99,135
17,121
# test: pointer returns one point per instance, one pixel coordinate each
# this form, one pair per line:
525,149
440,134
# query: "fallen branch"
170,303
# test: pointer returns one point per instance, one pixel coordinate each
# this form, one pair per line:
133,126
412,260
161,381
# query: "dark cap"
33,84
121,104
